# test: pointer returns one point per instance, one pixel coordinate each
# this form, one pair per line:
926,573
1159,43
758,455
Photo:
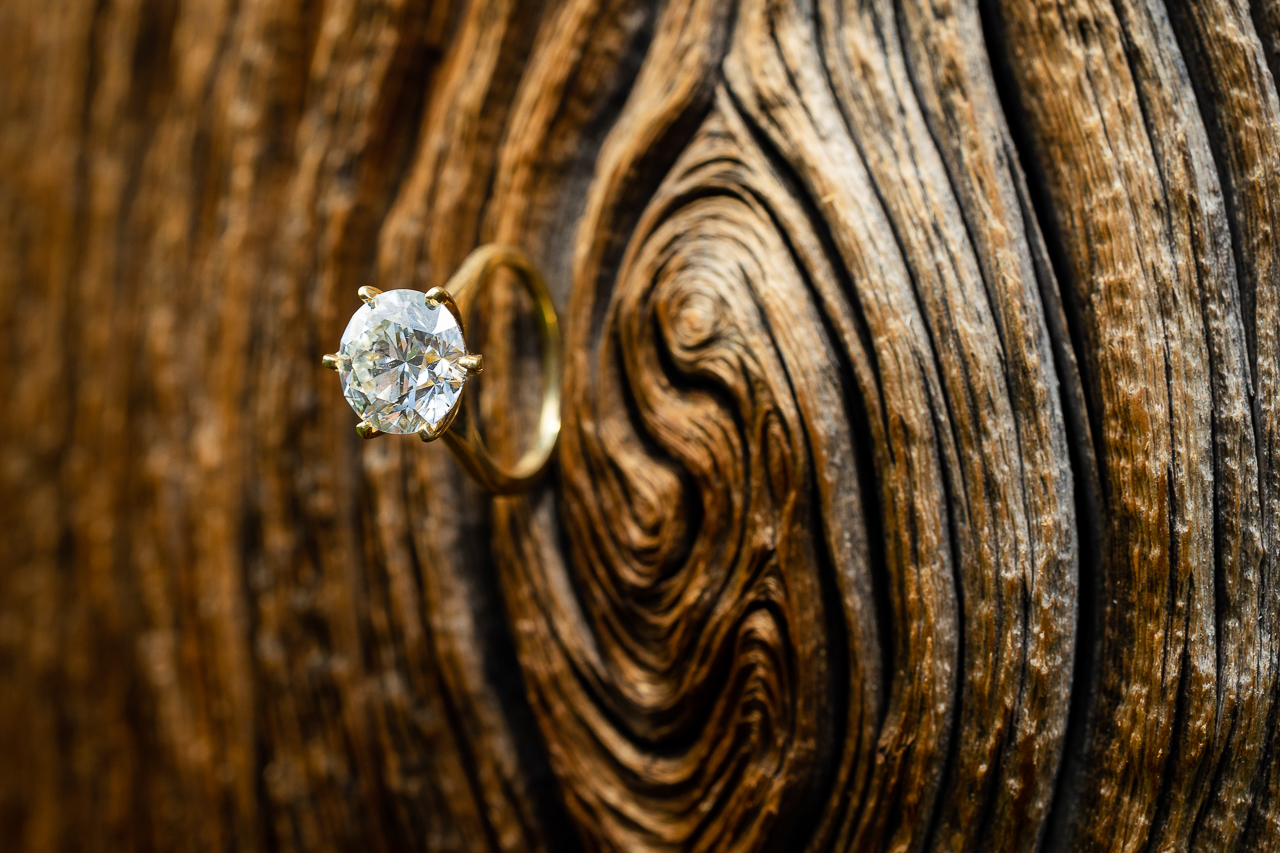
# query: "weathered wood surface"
919,486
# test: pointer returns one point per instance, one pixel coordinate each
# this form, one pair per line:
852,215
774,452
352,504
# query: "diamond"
399,362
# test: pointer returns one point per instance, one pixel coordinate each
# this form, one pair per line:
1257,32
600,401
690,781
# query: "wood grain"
919,483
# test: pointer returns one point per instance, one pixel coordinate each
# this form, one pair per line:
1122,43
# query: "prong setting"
472,363
400,330
368,293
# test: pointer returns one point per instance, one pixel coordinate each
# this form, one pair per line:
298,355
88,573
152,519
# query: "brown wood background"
919,486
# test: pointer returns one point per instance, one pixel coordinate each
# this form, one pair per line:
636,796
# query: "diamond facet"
399,362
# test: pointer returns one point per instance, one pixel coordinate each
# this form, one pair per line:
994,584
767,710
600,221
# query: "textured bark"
919,483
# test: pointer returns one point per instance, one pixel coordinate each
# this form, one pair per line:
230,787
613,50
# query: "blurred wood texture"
919,487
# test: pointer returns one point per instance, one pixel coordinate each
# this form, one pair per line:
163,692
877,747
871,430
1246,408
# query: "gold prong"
367,293
368,430
331,361
429,433
473,363
440,296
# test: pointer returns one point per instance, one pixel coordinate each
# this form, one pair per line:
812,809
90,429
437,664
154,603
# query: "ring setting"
403,362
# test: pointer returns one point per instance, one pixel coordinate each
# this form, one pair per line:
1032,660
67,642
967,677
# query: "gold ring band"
464,439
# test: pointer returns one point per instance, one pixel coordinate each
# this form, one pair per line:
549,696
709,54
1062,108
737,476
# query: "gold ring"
404,366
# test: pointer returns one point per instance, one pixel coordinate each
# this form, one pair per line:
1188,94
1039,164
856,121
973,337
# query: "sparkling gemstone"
399,362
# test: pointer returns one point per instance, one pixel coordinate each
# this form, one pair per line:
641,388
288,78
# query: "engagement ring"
404,365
